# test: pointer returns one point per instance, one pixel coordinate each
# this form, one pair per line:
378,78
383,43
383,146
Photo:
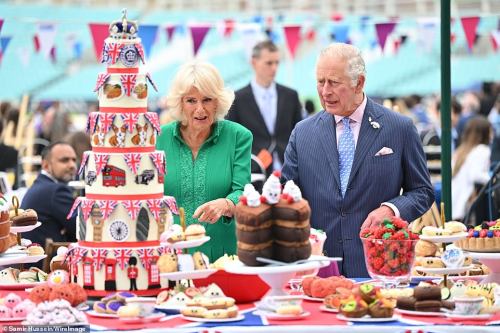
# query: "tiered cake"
124,212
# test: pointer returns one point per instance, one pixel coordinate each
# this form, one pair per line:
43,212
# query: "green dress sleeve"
241,166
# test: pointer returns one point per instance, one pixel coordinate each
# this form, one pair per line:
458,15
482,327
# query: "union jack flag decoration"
100,162
133,161
75,205
104,54
154,207
171,203
122,256
86,207
128,82
140,50
158,159
146,256
83,163
78,254
133,207
106,120
99,255
113,51
152,117
130,119
101,79
162,250
107,207
151,81
91,121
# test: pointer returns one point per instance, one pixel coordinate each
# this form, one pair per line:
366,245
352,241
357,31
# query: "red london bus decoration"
113,176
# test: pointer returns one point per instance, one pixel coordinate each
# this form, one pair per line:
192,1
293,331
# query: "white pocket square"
384,151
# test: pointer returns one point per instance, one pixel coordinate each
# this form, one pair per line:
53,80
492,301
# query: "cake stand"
490,259
276,276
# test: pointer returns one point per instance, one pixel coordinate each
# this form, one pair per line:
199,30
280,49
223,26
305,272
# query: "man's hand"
377,216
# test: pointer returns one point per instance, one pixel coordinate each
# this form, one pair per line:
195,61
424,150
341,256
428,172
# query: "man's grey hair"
356,64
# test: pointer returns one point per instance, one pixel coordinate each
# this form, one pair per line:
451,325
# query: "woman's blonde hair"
204,77
477,131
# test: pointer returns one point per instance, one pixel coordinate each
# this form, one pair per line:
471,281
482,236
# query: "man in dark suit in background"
269,110
352,160
51,197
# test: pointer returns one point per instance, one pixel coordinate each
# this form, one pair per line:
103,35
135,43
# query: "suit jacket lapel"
328,138
367,136
255,111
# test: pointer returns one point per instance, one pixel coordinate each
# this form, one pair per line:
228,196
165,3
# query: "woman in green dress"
208,158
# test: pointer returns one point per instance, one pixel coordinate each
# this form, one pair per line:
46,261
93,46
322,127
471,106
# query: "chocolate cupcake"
354,308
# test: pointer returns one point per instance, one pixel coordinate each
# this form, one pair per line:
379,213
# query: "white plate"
169,309
368,319
420,313
454,316
324,308
435,270
483,255
240,268
20,259
94,313
444,239
142,320
208,320
416,279
20,286
25,228
187,244
196,274
275,316
12,319
312,299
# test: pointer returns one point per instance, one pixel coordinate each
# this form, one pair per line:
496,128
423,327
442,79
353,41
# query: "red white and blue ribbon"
133,161
86,207
122,256
114,50
171,203
133,207
100,162
91,121
130,119
146,256
140,50
154,206
150,79
99,255
107,207
106,120
83,163
101,79
158,159
152,117
128,82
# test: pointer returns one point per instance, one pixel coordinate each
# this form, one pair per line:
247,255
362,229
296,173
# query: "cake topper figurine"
123,29
250,196
291,192
272,189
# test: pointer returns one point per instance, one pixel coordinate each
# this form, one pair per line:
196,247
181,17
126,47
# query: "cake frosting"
124,212
277,227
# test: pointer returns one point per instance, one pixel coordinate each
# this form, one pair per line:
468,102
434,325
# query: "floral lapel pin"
373,123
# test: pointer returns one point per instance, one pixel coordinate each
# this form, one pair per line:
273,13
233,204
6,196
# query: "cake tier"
122,53
108,220
486,244
102,268
123,91
123,174
112,132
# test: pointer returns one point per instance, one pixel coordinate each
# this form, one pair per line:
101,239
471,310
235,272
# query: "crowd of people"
356,161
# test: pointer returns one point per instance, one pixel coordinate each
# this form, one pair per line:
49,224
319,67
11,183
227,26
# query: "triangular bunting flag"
101,79
292,37
100,162
128,82
341,33
86,207
337,17
106,120
85,159
154,206
53,55
1,24
99,256
133,161
228,27
495,40
158,159
198,34
469,25
171,203
91,122
76,203
148,37
107,207
99,32
153,119
133,207
130,119
36,43
122,256
4,42
383,31
170,32
46,33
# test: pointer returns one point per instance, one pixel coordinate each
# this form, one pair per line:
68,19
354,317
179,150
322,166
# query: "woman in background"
208,158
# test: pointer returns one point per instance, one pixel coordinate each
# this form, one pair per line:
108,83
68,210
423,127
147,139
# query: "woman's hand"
213,210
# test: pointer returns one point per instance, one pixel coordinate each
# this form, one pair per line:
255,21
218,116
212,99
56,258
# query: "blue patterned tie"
346,154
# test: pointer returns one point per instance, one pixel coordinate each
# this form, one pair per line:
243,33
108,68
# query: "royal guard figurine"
132,272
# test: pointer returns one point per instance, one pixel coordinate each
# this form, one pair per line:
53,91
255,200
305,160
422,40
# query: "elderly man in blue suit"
356,161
